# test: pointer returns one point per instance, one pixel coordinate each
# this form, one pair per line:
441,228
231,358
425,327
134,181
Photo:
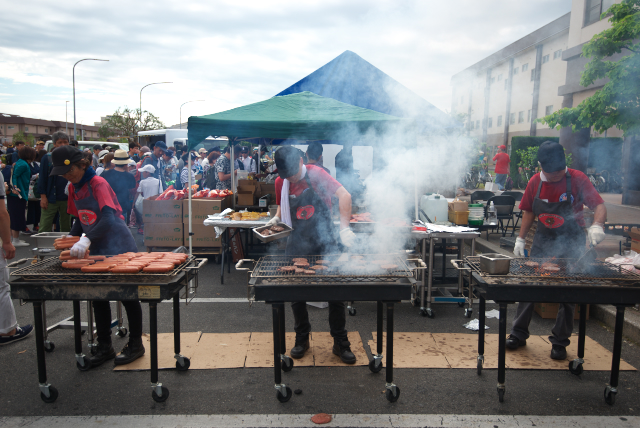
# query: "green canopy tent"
302,116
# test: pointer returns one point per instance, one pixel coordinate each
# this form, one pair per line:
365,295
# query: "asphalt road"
351,390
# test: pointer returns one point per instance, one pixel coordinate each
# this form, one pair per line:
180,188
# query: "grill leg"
91,332
176,323
473,253
502,337
460,256
225,243
423,282
37,320
275,309
617,349
575,366
153,338
283,340
392,390
380,328
481,319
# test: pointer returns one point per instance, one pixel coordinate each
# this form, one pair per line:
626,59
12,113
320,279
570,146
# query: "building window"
595,8
493,80
525,67
512,118
499,121
548,110
472,122
515,70
557,54
545,59
26,128
533,74
10,127
477,124
506,83
521,117
529,116
46,130
490,124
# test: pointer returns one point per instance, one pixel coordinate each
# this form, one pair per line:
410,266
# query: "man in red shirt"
303,196
556,196
502,166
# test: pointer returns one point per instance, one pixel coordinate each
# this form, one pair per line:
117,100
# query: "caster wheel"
431,314
86,366
282,398
287,364
352,312
577,370
479,368
609,396
393,398
467,313
122,332
423,313
53,395
375,368
461,304
165,395
185,367
49,346
500,395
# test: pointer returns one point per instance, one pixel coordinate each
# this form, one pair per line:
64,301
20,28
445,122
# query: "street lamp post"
66,121
193,101
74,90
157,83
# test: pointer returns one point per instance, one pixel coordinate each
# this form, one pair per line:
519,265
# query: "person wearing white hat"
121,181
149,186
101,166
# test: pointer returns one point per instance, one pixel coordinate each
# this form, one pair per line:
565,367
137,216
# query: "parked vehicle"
89,145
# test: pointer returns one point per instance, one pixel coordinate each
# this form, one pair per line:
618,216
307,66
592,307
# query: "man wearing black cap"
303,196
556,196
157,162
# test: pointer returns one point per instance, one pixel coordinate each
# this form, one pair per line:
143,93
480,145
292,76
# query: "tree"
128,122
28,139
617,103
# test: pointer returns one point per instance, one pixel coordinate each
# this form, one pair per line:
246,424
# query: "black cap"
215,149
63,157
161,145
288,161
551,157
245,149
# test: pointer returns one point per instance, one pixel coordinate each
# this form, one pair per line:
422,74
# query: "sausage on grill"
158,268
95,268
125,269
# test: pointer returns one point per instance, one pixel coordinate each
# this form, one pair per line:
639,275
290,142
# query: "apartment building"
503,94
11,124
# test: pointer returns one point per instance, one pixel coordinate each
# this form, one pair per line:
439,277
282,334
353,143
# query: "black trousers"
337,320
102,312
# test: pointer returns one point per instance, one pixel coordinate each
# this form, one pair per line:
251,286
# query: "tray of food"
271,233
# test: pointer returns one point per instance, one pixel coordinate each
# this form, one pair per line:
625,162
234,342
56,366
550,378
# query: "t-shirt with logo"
102,192
502,163
323,184
582,193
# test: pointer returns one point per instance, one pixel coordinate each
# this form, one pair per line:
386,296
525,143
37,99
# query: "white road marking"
351,420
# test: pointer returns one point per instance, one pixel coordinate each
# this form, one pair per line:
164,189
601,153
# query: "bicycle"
613,181
598,182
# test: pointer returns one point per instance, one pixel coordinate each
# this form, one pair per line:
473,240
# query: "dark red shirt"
502,163
323,184
102,192
582,193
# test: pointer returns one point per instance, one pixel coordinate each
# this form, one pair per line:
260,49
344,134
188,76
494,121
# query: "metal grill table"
47,280
603,283
351,281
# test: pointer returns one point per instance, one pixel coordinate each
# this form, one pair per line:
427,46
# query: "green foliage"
519,144
617,103
28,139
529,160
129,122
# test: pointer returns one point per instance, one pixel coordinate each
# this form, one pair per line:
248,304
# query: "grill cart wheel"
393,398
577,370
468,312
501,395
375,365
429,313
122,332
282,398
352,312
49,346
479,367
461,304
185,367
165,395
286,363
53,395
86,366
609,396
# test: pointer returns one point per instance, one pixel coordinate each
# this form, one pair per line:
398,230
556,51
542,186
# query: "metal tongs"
585,261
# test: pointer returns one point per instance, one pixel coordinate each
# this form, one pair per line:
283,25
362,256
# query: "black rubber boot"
342,348
513,342
300,348
131,352
558,352
104,353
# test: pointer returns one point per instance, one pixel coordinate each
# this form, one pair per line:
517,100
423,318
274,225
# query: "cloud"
233,53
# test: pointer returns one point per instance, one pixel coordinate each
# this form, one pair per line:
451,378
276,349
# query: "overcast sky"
232,53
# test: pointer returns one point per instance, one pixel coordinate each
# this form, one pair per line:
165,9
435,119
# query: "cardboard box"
203,236
163,234
154,211
268,189
201,208
459,217
246,195
550,310
252,183
458,206
634,233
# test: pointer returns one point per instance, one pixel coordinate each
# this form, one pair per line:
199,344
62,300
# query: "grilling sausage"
76,264
95,268
96,258
125,269
158,268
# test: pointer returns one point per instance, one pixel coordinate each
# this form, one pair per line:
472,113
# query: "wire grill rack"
523,268
51,270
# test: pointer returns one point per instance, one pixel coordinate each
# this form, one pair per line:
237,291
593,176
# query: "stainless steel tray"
286,232
495,264
45,239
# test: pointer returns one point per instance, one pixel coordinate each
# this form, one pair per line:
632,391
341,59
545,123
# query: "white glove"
596,234
275,220
519,248
347,237
80,248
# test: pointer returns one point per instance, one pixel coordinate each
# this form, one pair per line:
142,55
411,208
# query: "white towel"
285,212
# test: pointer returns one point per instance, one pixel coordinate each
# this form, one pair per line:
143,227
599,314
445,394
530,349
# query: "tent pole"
233,175
415,185
190,216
